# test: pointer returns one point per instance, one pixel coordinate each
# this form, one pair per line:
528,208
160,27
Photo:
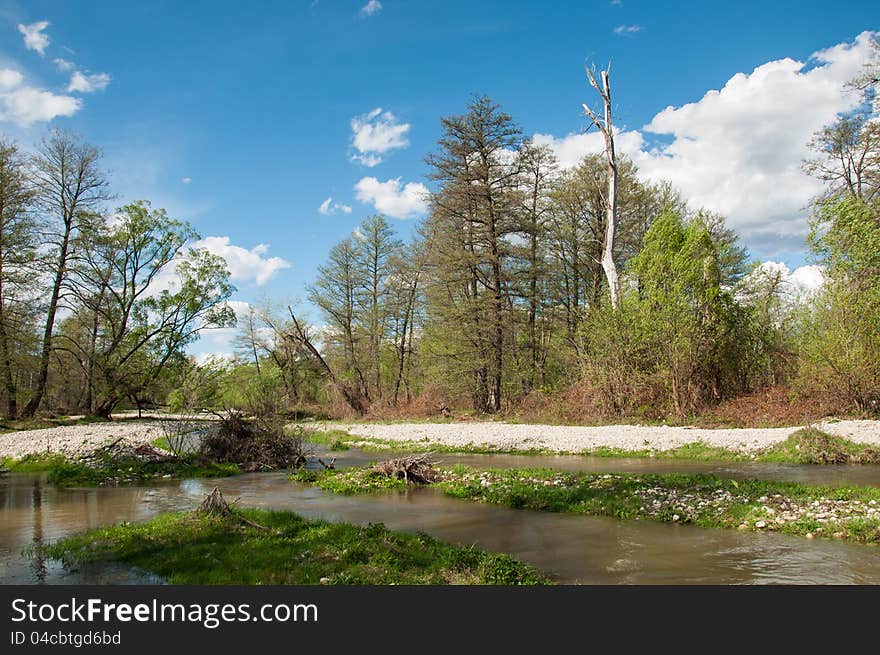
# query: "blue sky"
238,116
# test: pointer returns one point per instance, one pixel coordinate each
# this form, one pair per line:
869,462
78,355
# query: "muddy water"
574,549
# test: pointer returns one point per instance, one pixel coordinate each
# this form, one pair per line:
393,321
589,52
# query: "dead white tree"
606,128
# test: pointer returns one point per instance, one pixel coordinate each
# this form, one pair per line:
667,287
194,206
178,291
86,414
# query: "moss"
194,549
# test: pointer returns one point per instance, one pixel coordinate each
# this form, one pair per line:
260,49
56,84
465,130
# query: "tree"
405,300
848,157
841,349
18,248
537,172
606,127
338,293
247,341
70,187
473,215
141,328
376,244
675,342
300,335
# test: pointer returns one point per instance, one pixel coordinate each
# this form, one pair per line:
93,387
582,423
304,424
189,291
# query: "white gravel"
82,439
75,439
558,438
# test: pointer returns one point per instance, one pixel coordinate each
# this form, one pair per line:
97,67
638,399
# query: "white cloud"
63,65
624,30
10,78
244,265
215,358
392,199
34,38
375,134
186,180
371,8
25,105
329,207
571,149
796,285
85,83
738,150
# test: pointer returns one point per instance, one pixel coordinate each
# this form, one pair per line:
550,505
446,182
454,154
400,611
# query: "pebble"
760,524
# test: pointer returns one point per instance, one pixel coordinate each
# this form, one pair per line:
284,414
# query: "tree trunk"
533,291
8,378
607,129
43,375
352,396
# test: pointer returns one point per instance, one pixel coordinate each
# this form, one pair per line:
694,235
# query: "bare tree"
71,186
606,127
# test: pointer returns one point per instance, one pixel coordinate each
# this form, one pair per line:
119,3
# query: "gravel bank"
564,438
82,439
75,439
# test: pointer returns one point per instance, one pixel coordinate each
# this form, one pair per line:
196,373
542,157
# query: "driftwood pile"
253,444
415,468
121,450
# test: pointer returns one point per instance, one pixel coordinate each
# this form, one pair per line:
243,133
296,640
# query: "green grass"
709,501
812,446
851,513
196,549
350,481
66,472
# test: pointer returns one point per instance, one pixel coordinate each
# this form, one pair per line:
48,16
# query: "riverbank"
273,547
110,471
78,440
854,441
606,440
848,513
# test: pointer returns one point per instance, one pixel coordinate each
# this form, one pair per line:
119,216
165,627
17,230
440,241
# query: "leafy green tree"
675,344
841,348
18,254
141,327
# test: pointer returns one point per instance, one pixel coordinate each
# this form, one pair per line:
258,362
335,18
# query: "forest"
565,295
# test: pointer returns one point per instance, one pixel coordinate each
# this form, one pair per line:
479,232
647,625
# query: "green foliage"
840,351
680,338
193,549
